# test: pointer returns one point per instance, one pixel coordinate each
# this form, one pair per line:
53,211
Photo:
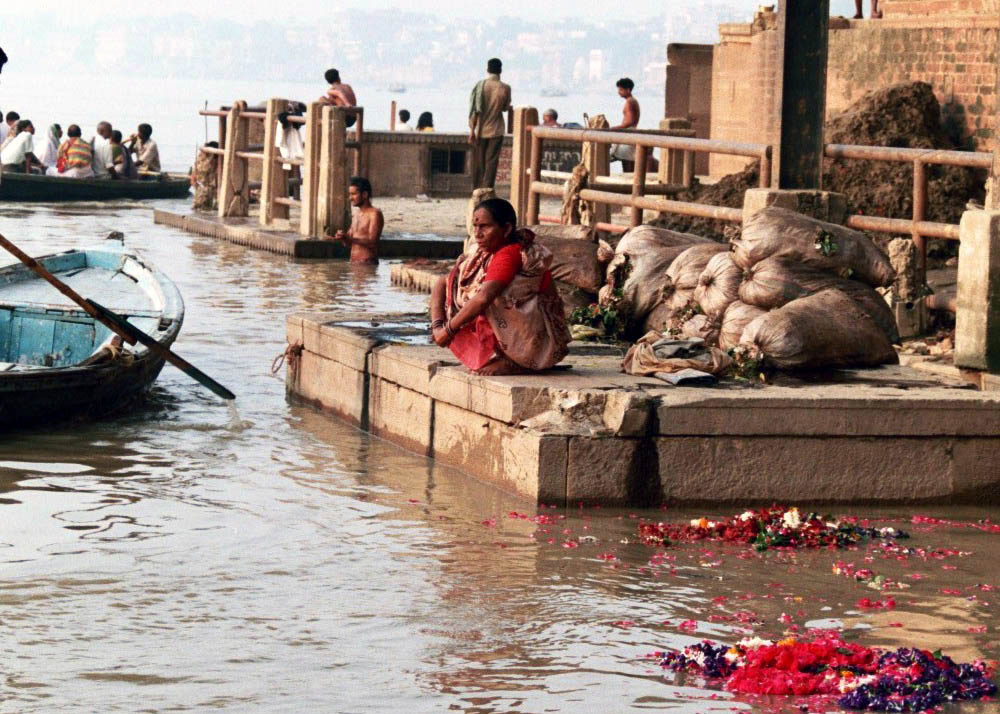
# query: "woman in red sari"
498,310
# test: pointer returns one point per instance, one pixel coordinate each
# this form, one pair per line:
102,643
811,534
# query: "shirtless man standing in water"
366,226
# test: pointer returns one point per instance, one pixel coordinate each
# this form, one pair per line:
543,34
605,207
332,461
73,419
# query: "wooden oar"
116,323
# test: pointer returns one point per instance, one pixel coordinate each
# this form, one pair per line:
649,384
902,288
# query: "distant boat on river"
55,360
32,187
553,92
397,88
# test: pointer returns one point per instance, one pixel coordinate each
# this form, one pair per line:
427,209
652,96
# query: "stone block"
293,329
805,469
400,415
409,366
604,470
517,460
330,385
506,399
977,320
824,205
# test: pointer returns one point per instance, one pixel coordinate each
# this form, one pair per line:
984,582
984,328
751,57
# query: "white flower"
791,518
747,516
750,643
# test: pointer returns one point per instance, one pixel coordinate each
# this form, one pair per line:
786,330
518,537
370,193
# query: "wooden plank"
234,183
272,182
308,225
524,117
333,208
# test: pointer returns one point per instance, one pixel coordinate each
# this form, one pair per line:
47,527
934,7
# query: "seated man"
339,94
18,157
123,166
404,121
76,156
103,162
366,226
550,118
7,127
147,153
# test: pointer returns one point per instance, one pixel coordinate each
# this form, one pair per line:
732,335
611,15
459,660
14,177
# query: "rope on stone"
293,353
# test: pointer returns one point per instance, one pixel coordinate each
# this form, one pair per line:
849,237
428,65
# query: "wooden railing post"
520,182
639,183
359,137
919,214
234,183
531,211
333,209
308,225
273,183
392,115
597,159
688,178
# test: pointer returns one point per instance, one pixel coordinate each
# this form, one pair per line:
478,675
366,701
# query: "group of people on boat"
105,155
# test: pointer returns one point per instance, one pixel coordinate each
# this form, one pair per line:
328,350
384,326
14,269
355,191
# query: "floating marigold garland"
773,527
863,678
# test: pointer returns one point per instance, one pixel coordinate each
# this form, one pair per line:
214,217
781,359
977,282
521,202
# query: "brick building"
951,44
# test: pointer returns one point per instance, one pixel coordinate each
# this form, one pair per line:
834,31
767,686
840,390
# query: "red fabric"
505,264
474,344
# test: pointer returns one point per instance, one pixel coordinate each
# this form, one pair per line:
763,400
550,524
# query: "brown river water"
190,557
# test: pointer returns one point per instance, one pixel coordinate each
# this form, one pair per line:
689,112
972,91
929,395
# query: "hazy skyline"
259,10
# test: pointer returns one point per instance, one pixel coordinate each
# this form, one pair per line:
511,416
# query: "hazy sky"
252,10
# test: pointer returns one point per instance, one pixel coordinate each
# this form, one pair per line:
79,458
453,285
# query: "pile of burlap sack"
789,292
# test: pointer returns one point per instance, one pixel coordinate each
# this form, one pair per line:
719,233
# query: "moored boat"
32,187
55,360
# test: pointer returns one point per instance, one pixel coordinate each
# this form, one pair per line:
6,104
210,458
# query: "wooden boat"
32,187
55,360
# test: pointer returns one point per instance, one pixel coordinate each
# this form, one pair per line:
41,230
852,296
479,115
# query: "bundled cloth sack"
796,238
735,320
827,329
718,285
684,273
701,327
775,282
640,265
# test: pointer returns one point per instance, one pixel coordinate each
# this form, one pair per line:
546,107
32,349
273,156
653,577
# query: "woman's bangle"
437,324
448,329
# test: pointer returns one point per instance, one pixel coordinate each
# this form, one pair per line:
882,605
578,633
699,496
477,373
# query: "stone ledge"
593,434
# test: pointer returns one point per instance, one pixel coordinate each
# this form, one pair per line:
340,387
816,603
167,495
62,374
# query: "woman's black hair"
425,119
500,210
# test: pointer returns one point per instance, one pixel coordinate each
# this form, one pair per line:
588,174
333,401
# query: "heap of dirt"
902,115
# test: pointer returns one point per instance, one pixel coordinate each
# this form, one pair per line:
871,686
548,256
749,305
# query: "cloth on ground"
655,353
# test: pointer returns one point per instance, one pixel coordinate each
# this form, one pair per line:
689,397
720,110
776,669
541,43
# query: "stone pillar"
800,102
672,160
333,210
977,321
824,205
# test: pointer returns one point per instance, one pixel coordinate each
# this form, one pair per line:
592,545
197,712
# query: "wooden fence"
323,204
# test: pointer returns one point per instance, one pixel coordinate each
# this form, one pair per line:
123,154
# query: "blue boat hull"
55,361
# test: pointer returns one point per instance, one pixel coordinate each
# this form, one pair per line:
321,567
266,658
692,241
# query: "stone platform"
592,434
248,232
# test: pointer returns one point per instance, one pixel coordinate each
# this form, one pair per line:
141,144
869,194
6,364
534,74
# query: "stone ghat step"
248,232
419,276
593,434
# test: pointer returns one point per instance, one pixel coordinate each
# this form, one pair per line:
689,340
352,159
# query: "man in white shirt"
19,151
104,155
7,126
147,153
404,121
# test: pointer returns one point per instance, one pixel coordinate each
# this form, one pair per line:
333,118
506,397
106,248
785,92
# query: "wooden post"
273,183
993,182
308,225
639,183
234,183
531,211
598,164
392,115
359,132
333,209
800,100
524,117
688,177
919,213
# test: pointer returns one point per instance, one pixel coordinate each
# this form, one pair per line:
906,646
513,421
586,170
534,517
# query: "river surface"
191,557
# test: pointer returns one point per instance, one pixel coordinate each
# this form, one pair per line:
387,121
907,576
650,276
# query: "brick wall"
897,9
958,57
